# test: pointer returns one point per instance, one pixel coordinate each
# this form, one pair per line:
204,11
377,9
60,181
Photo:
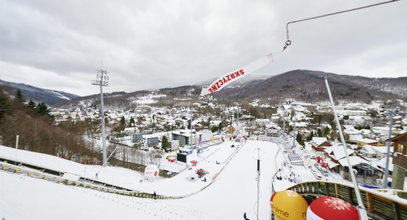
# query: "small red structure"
319,159
194,162
171,158
330,208
201,172
324,165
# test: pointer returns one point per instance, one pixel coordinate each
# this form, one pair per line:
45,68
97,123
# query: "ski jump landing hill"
54,169
231,189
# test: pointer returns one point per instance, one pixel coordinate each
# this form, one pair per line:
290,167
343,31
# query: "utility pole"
102,80
237,119
258,181
17,137
386,171
361,207
295,127
294,137
283,124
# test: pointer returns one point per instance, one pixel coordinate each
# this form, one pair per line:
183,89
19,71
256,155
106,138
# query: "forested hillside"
38,133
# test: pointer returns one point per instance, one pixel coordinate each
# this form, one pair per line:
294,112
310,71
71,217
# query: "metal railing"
378,205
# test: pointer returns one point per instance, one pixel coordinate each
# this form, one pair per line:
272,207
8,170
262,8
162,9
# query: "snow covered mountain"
301,85
308,85
49,97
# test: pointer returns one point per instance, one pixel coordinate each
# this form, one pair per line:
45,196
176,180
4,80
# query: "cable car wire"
288,42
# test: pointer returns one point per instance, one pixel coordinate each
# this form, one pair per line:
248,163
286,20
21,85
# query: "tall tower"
102,80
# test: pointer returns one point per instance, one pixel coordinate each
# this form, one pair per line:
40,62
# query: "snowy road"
233,193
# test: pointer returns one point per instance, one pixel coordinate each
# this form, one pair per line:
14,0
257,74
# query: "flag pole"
361,207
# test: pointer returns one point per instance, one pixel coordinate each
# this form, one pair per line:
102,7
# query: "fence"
389,206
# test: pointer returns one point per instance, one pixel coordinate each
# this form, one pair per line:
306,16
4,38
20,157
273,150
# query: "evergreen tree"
31,104
122,124
132,122
319,133
122,121
42,108
166,145
326,131
19,96
4,104
310,136
299,139
189,124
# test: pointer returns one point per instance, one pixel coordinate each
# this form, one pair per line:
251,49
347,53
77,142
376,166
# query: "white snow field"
229,192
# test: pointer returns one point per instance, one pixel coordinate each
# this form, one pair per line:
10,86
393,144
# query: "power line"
288,42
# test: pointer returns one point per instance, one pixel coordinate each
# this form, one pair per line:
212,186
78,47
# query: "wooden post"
369,202
327,189
351,200
396,211
336,190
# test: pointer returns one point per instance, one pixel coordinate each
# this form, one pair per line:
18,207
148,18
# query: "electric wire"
288,42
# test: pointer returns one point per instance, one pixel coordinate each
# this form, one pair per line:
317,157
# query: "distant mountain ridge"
49,97
301,85
308,85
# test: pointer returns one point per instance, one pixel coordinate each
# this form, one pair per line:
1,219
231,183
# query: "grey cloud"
152,44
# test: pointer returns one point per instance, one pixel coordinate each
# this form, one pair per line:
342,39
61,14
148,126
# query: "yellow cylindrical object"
289,205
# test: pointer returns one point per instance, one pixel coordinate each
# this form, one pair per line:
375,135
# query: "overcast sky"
154,44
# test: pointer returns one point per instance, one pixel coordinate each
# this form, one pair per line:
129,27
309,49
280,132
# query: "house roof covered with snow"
382,163
331,164
317,141
337,153
354,160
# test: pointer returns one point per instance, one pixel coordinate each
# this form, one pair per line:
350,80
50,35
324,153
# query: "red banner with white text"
221,82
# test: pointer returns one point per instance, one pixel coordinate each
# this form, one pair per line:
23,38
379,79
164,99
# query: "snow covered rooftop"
337,153
331,164
319,140
354,160
382,163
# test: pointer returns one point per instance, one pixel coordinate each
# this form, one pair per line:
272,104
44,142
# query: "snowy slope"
235,190
229,192
232,193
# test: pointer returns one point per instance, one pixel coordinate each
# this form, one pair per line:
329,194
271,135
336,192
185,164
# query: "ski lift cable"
288,42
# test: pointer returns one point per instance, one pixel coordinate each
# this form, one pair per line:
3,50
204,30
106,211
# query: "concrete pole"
294,137
361,207
17,137
102,112
386,171
295,127
102,80
258,181
284,124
